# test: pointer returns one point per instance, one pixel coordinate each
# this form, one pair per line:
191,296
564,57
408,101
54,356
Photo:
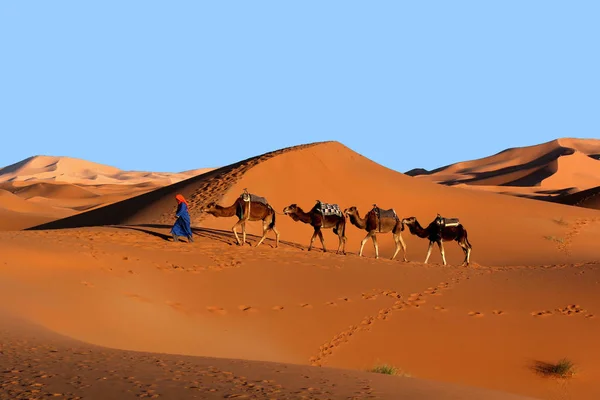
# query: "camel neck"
358,221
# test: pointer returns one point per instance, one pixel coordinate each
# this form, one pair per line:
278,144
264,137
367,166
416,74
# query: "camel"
332,217
441,230
378,221
247,207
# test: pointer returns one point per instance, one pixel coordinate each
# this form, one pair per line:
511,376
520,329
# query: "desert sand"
102,302
548,171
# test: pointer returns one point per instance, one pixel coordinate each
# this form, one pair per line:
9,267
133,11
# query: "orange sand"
529,297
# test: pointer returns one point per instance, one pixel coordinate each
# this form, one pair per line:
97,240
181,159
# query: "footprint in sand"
498,312
247,308
475,314
305,305
367,296
541,313
216,310
344,299
331,303
86,283
439,308
277,308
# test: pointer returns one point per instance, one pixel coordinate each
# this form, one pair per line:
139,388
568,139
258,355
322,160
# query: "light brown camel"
255,209
331,218
441,230
378,221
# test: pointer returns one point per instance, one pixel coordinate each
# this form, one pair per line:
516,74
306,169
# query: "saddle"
381,213
328,209
253,198
250,198
446,222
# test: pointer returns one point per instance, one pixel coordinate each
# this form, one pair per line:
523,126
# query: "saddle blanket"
447,221
391,213
329,209
254,198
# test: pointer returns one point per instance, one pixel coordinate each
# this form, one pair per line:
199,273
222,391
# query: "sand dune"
77,171
279,178
118,281
56,187
542,171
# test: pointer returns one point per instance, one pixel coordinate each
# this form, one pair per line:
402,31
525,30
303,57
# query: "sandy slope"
334,173
30,356
554,168
129,288
529,298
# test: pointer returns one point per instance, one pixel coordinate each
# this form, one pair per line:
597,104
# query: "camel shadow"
146,231
219,235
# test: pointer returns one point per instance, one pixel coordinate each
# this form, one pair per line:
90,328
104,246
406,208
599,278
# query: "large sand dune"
503,230
543,171
112,277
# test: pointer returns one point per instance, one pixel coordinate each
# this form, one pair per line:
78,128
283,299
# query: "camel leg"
362,244
428,252
265,231
244,232
276,237
441,246
399,242
234,229
467,251
312,239
374,237
320,233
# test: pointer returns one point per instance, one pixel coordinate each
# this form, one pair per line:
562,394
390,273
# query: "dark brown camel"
378,221
258,212
318,221
438,233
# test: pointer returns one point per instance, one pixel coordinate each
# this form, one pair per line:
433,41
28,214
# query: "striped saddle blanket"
446,222
381,213
254,198
328,209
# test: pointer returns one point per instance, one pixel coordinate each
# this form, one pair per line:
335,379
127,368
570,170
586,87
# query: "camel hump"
246,196
447,222
381,213
328,209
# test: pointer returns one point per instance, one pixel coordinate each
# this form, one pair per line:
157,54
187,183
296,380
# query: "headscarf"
181,199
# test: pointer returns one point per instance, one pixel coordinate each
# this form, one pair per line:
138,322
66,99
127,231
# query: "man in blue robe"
182,226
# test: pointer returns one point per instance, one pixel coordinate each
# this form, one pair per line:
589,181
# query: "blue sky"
171,86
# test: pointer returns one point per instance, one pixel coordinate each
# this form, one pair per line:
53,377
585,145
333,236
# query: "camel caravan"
250,207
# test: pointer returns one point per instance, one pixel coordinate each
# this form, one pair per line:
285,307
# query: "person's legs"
175,238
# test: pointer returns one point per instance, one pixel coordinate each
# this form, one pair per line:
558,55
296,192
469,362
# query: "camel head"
409,221
351,211
292,211
209,208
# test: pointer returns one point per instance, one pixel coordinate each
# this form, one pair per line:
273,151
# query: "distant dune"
81,172
56,187
545,171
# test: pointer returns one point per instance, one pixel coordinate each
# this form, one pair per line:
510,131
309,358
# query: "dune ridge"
545,171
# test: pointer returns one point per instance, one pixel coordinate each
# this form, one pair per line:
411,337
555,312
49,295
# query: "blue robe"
182,226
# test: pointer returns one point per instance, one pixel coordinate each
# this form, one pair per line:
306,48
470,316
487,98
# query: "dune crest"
545,171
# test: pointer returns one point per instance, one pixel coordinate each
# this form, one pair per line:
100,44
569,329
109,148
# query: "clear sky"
171,86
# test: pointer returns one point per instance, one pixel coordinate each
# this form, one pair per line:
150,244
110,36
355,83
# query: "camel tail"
467,238
272,224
